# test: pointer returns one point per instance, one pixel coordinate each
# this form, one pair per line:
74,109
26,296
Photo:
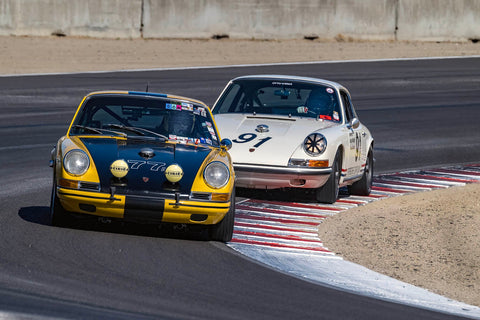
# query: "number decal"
136,164
262,141
358,146
154,166
247,137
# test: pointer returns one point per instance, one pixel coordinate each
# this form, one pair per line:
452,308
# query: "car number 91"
247,137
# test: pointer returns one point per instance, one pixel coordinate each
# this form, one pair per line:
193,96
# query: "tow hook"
177,199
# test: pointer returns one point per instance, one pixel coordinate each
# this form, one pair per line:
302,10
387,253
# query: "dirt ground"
429,239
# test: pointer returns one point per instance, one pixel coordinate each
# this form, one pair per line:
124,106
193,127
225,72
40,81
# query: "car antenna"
146,90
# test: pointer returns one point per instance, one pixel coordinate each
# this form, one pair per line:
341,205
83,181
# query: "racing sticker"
200,111
170,106
336,117
330,90
302,110
276,83
187,106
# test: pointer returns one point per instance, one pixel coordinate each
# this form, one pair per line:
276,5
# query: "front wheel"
328,193
363,187
223,231
58,215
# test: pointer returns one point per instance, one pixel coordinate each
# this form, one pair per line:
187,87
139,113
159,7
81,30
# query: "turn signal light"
220,196
318,163
70,184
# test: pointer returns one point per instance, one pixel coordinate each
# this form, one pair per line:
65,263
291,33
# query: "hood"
145,176
274,147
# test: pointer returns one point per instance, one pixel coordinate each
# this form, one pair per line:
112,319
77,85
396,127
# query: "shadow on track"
41,215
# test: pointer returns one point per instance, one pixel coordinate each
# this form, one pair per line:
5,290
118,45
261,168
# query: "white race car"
295,132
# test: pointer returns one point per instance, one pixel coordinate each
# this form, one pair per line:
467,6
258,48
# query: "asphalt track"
422,113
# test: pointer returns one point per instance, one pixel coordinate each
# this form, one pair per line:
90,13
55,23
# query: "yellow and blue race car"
146,158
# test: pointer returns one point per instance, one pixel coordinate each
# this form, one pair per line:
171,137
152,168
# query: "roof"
290,78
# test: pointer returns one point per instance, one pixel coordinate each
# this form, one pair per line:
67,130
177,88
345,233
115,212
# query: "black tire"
328,193
363,187
223,231
58,215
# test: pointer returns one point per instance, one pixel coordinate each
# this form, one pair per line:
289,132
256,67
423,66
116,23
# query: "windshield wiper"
94,130
137,130
97,130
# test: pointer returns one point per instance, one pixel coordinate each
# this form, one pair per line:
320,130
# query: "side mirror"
354,123
226,144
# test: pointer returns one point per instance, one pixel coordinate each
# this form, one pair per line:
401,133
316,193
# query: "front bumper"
146,209
274,177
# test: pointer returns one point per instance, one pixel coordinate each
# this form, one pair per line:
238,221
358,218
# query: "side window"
349,111
229,100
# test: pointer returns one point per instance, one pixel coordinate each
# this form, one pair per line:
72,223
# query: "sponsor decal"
330,90
187,106
174,173
119,168
336,116
170,106
276,83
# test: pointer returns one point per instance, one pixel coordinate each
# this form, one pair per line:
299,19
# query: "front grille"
91,186
201,196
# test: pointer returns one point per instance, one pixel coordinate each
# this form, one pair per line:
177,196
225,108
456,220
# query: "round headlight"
216,174
76,162
315,144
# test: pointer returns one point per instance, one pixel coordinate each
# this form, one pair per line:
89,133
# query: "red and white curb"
284,235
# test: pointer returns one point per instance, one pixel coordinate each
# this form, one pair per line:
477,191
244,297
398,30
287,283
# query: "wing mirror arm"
354,124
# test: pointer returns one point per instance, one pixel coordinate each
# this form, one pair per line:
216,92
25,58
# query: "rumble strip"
283,235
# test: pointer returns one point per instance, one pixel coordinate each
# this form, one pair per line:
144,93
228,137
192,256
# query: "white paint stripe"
439,183
299,228
244,248
259,229
280,216
396,186
453,175
276,229
279,240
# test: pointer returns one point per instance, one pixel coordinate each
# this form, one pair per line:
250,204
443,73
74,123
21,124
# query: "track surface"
422,113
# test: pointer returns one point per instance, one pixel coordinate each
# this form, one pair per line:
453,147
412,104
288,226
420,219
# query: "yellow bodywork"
74,199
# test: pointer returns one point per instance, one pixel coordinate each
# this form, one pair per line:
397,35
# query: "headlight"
216,174
76,162
315,144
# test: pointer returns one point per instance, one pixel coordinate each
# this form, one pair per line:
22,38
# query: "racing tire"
363,187
58,215
223,231
328,193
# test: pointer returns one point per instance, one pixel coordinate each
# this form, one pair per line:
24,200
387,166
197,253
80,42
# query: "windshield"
279,97
145,117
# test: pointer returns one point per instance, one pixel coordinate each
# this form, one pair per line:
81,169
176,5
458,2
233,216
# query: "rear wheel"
328,193
223,231
58,215
363,187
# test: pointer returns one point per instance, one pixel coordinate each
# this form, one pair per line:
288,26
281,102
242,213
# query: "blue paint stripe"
138,93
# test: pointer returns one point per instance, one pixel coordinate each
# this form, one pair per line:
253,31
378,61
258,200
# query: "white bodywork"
262,160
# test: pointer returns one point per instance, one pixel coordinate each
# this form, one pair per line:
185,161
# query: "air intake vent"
201,196
91,186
